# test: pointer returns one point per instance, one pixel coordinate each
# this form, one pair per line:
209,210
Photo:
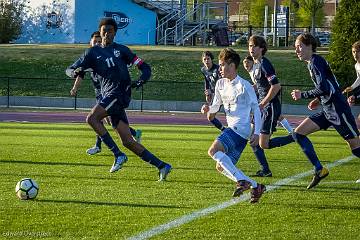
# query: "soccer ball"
26,189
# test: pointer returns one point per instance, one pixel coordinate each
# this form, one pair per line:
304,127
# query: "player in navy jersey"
239,100
211,73
354,89
268,88
110,61
96,40
248,64
335,112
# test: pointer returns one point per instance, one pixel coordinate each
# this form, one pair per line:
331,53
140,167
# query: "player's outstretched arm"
76,86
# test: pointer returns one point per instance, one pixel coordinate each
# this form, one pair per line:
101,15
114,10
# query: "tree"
344,32
257,9
310,9
11,13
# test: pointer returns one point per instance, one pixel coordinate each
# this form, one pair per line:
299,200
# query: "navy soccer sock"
356,152
132,131
109,142
280,141
98,141
260,156
152,159
216,122
308,149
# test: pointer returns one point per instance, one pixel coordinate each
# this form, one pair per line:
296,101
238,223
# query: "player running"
239,100
335,112
95,40
110,61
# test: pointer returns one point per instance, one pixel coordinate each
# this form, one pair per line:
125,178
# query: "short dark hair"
307,39
229,55
209,54
250,58
95,34
260,42
108,21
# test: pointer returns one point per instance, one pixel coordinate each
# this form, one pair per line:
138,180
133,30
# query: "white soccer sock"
286,125
226,163
225,173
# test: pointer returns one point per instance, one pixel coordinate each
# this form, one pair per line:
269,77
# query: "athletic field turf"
80,199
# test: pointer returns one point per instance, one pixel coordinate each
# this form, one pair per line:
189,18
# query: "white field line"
203,212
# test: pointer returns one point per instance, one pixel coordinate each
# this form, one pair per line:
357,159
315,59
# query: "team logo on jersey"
270,78
117,53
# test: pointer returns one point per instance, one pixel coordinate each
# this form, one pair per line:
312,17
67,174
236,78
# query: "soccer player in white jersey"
354,89
239,100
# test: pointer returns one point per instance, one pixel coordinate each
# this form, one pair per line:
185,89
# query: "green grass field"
175,70
80,199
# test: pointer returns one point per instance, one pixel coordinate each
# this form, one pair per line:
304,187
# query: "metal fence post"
8,92
75,101
142,98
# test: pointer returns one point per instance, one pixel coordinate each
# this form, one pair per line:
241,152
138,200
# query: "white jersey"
239,100
357,81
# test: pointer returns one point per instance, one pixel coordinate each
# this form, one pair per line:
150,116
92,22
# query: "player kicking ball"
239,100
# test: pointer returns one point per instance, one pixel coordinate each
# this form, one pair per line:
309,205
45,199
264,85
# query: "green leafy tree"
11,13
257,9
310,12
344,32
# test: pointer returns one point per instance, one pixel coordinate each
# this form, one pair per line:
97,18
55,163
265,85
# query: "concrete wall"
147,105
73,21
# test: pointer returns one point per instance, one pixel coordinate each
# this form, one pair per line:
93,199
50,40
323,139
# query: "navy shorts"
347,128
114,109
233,143
269,117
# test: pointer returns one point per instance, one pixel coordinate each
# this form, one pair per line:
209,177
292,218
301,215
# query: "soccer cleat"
163,172
119,161
318,176
94,150
137,136
257,192
262,173
358,181
241,186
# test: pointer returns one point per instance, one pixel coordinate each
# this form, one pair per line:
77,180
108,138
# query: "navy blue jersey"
96,79
326,89
110,66
264,76
210,77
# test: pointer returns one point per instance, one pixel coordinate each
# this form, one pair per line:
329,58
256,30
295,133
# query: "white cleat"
137,136
164,172
94,150
119,161
358,181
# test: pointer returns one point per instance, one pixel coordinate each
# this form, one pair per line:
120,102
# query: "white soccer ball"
26,189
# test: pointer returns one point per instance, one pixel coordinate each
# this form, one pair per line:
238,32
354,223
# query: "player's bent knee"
212,151
129,144
218,167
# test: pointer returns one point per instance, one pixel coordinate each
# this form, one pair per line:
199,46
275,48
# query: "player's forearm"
273,91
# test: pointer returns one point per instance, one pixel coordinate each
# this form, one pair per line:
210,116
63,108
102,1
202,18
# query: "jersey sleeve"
254,108
131,59
217,101
322,87
269,72
83,62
